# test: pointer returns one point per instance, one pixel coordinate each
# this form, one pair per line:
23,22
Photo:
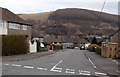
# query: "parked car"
82,48
76,48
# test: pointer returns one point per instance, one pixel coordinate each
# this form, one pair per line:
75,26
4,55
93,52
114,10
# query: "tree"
94,40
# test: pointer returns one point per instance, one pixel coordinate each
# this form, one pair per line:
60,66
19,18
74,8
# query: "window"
24,27
14,26
1,23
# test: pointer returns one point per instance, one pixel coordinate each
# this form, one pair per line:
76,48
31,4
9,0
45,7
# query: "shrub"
95,48
14,45
92,47
57,47
94,40
98,50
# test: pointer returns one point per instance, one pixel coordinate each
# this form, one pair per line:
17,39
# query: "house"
111,48
66,41
51,39
11,24
115,38
80,42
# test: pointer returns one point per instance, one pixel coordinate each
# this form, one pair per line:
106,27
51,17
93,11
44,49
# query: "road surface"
67,62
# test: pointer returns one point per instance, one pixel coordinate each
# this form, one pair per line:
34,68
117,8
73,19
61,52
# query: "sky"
38,6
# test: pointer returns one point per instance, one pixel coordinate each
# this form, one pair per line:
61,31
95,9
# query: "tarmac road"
67,62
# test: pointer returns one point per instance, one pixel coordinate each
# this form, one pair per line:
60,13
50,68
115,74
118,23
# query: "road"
67,62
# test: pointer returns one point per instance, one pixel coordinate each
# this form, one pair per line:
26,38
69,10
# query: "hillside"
72,21
36,17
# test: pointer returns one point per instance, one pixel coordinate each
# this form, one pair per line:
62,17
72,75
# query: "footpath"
28,56
109,66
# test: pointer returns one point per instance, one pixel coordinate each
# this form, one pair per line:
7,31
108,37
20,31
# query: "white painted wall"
33,47
3,31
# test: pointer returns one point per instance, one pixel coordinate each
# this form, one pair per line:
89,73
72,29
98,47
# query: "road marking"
98,73
16,65
58,68
42,68
84,71
81,72
87,71
67,69
28,67
55,69
6,64
70,72
92,62
84,74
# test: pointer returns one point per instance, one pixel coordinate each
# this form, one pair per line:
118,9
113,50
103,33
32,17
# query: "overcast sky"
37,6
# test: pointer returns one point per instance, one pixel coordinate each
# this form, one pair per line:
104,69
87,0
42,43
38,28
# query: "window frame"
1,23
14,26
24,27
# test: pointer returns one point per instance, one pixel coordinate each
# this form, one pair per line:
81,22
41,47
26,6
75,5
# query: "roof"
52,38
83,41
115,32
9,16
80,40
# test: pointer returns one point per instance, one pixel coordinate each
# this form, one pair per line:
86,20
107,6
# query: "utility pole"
119,26
119,39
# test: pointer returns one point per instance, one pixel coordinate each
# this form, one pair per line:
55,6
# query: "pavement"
28,56
109,66
66,62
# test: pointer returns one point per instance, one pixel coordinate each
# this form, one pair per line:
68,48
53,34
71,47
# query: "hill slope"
73,21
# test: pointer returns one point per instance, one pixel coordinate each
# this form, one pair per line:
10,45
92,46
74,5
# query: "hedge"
98,50
93,49
14,45
57,47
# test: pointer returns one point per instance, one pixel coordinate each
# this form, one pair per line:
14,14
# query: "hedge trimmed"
14,45
57,47
93,49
